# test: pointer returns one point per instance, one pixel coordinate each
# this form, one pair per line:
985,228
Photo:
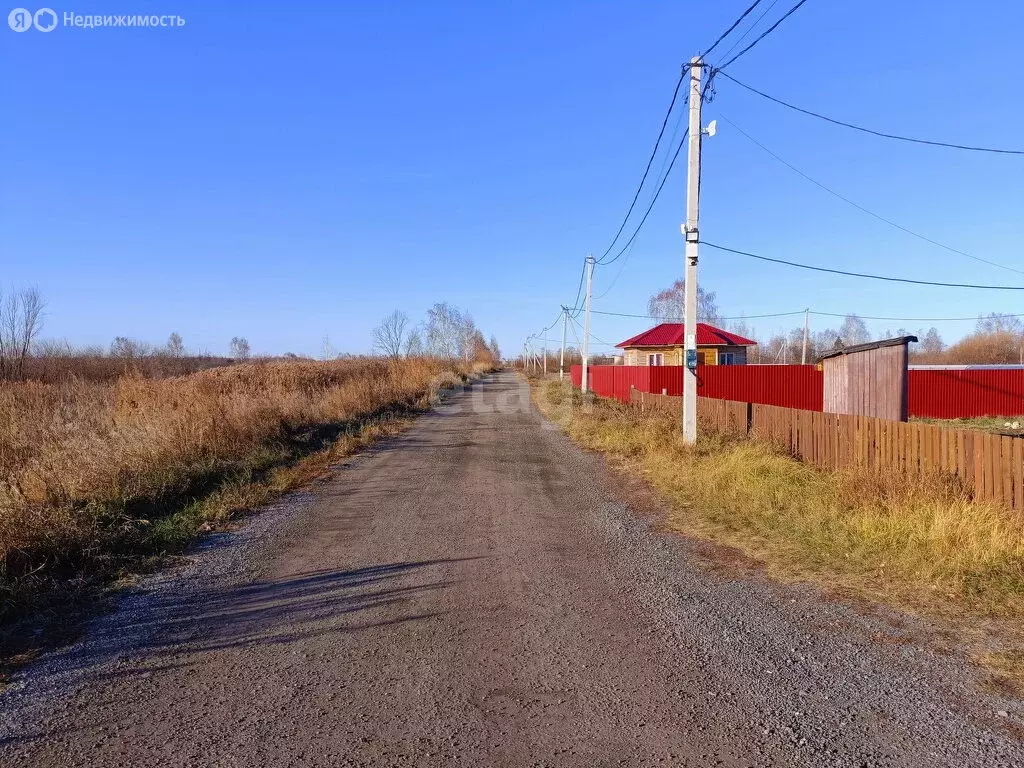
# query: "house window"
727,358
702,357
656,358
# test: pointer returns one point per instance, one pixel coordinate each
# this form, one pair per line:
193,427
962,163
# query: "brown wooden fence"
720,416
991,465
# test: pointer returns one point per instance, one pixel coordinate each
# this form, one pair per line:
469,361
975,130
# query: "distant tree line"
446,332
996,339
24,355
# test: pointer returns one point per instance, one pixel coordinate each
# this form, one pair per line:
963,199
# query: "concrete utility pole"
544,347
807,323
692,234
561,360
586,324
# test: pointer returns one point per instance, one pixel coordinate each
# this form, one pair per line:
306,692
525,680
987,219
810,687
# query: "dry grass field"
98,478
921,544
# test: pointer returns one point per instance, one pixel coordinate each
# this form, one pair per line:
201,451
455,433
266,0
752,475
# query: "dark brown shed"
867,379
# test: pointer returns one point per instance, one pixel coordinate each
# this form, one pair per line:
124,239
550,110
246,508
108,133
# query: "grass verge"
1000,425
919,544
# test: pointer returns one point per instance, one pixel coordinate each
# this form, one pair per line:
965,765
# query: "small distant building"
665,344
867,379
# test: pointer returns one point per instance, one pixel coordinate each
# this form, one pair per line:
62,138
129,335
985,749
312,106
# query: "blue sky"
287,173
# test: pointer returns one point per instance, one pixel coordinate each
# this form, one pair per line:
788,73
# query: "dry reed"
94,475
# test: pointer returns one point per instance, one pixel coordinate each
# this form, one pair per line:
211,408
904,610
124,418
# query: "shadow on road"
169,631
281,611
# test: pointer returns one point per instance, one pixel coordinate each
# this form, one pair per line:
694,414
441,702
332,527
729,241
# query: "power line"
650,161
871,131
599,341
579,290
764,34
662,175
751,28
909,319
663,319
725,34
865,210
618,274
654,199
801,311
553,324
863,275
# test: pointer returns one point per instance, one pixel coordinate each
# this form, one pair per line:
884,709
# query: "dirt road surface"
475,592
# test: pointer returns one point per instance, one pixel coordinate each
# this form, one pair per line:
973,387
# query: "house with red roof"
664,344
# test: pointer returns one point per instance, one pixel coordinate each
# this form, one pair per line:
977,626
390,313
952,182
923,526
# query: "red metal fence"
953,393
943,393
792,386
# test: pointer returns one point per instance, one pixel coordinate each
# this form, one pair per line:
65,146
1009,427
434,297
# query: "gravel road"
475,592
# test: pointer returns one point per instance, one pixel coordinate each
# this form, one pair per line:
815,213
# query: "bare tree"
130,349
32,305
327,349
21,321
53,348
240,349
854,331
175,346
667,305
445,330
996,322
389,336
413,344
495,349
931,343
468,338
479,351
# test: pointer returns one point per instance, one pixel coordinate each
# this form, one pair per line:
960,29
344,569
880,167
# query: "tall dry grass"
91,472
66,365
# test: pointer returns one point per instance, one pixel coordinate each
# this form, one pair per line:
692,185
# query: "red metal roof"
672,335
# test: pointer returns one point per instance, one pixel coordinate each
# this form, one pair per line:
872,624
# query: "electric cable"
650,161
736,317
897,137
764,34
657,193
863,275
735,24
866,210
751,28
